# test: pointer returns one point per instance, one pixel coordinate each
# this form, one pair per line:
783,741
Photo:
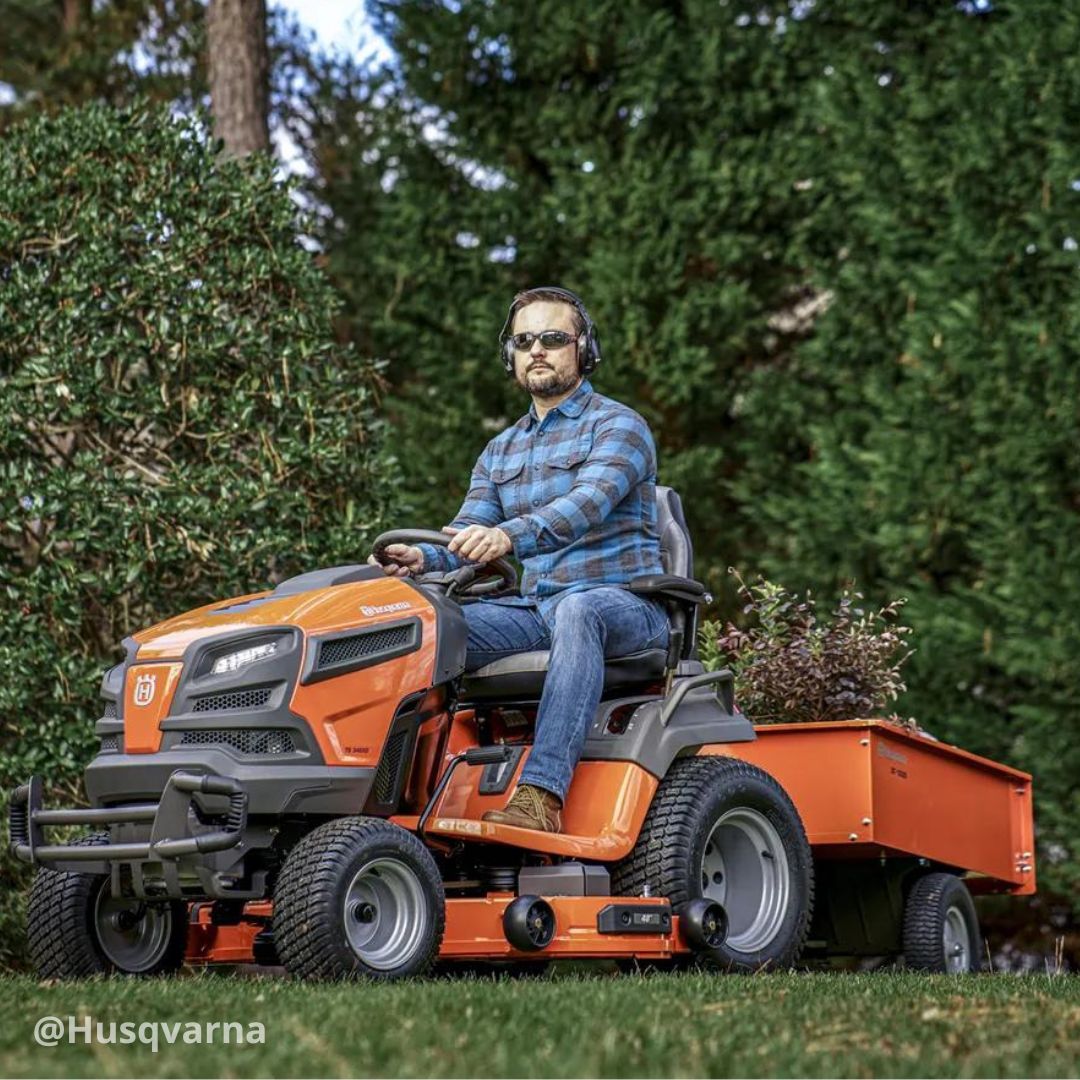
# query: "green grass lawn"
661,1025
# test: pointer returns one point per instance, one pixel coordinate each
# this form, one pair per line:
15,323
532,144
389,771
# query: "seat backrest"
676,549
677,556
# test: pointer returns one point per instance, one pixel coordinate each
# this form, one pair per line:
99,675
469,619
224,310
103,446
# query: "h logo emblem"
145,687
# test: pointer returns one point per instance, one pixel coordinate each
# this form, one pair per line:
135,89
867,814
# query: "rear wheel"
358,897
76,928
941,928
726,831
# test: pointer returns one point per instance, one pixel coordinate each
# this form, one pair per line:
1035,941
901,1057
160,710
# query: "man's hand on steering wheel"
479,543
404,560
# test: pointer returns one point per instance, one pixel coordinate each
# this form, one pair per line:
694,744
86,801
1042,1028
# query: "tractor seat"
521,677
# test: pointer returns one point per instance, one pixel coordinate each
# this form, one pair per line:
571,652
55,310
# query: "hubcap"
384,914
745,868
956,940
132,935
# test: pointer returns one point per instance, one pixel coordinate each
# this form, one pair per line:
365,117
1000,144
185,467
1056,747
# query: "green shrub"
794,665
178,421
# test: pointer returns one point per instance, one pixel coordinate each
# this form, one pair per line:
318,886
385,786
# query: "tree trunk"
239,74
72,12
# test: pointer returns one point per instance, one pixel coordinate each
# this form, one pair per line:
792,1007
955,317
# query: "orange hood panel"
339,607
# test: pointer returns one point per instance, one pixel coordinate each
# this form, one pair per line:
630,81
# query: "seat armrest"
670,587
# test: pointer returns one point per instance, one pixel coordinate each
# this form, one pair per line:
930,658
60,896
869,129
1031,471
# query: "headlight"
242,657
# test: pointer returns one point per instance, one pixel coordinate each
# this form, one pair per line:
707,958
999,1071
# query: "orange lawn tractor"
297,777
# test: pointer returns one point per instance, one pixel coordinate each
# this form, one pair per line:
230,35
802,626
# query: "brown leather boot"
529,808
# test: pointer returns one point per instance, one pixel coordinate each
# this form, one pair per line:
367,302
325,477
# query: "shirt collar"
573,406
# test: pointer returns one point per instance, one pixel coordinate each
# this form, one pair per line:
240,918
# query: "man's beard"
546,382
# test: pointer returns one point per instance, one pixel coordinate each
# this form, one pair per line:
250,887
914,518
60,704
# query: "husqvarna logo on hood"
145,688
382,609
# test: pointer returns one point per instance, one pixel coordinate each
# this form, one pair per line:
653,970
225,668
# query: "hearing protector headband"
588,343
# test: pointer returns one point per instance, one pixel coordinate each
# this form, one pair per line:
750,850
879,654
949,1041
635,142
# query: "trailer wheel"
76,928
726,831
358,897
941,928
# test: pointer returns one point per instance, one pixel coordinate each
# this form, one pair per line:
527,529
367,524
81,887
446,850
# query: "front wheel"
358,897
941,929
76,927
726,831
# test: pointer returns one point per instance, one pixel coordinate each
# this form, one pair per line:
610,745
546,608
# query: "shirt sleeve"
622,456
481,507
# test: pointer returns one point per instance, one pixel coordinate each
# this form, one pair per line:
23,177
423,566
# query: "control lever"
475,755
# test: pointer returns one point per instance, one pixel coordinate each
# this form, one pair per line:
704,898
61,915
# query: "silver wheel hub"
384,914
956,940
744,867
132,935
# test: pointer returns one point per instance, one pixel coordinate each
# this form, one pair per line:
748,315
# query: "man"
570,490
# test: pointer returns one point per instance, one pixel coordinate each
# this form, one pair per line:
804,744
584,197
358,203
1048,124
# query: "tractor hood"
312,671
320,602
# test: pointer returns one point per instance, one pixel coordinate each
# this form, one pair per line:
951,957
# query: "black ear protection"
588,342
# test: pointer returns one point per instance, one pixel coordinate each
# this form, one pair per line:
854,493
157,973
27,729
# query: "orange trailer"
870,789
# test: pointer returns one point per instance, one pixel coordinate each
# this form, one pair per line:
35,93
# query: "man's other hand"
480,543
404,560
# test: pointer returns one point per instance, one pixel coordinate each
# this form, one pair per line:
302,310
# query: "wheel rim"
744,867
385,914
956,939
540,923
132,935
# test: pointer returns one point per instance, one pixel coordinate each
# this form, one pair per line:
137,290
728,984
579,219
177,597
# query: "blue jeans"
580,629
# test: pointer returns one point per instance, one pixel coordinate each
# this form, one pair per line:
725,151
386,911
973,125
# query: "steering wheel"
472,580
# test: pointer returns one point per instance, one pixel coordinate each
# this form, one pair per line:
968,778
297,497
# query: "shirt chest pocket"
509,478
559,472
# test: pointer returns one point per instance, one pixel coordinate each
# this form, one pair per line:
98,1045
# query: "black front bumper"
170,836
181,824
156,844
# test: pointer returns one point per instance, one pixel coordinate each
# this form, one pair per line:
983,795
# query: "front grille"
109,743
384,786
109,711
234,700
245,740
345,649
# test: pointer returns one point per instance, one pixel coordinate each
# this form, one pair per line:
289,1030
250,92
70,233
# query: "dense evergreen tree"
927,437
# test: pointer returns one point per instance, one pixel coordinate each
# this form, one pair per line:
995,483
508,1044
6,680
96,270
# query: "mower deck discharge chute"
298,777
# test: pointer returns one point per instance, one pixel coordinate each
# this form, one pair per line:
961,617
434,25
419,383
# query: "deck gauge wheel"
529,923
704,924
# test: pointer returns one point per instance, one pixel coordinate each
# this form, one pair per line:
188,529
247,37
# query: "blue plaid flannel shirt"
576,494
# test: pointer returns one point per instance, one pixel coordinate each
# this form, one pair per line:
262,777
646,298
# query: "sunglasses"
550,339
